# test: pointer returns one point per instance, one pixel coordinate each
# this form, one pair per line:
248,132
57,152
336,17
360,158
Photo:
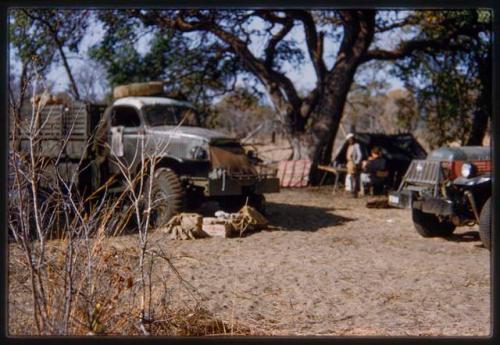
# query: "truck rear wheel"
167,197
235,203
485,224
429,225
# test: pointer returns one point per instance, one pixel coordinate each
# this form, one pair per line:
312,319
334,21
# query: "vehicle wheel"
429,225
235,203
167,197
485,224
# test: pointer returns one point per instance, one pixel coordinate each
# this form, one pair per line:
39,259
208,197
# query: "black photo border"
378,4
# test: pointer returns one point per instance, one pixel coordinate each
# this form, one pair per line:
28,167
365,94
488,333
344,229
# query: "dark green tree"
452,86
33,54
60,30
190,66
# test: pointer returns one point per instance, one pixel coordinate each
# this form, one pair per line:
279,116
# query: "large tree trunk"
316,142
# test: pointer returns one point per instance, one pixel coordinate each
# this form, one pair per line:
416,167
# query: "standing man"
353,158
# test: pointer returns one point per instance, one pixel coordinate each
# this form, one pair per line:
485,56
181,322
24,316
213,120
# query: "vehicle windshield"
169,115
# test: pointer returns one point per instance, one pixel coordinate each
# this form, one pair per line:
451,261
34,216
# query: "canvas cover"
397,147
232,159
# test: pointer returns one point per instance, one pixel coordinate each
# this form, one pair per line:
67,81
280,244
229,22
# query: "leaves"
28,40
40,37
194,65
446,82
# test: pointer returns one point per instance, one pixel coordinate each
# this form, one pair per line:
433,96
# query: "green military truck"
194,164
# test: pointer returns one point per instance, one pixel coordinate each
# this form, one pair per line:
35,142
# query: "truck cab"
194,164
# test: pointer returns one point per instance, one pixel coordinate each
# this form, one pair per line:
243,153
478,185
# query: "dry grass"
64,277
115,299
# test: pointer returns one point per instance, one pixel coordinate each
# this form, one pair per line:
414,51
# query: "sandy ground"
331,266
334,266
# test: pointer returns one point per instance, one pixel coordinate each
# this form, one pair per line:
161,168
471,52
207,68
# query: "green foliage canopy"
191,65
450,84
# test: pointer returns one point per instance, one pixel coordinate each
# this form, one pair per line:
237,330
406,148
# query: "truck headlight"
467,170
199,153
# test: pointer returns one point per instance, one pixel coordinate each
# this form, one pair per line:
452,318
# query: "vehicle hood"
208,135
462,153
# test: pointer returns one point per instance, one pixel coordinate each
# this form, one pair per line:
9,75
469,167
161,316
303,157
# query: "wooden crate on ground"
215,227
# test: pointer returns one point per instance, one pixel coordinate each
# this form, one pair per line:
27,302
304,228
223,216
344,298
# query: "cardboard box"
218,230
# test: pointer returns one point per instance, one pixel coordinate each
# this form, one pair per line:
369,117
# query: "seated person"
374,171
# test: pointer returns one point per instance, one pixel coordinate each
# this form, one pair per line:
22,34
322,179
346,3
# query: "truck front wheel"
167,197
429,225
485,224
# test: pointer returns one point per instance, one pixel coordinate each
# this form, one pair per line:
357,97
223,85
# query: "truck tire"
485,224
167,197
429,225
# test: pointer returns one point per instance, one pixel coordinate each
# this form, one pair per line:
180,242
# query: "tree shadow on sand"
301,217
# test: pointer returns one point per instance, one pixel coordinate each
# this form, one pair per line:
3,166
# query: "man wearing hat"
353,157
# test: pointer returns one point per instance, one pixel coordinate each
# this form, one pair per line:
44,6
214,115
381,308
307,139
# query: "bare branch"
409,47
314,42
448,42
274,41
407,21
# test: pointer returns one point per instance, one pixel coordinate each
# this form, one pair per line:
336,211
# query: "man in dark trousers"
353,158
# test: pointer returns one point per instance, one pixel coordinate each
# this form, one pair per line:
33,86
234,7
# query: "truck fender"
164,162
473,181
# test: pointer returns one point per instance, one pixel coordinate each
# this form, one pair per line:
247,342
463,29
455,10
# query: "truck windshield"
169,115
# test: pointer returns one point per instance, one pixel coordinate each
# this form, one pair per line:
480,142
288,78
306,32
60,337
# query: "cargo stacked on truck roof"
140,101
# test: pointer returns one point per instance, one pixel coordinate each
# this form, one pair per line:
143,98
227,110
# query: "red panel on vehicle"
294,173
482,166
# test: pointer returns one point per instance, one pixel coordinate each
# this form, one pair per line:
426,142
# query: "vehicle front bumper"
401,199
437,206
406,199
238,186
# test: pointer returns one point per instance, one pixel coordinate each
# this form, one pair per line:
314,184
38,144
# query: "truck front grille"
423,172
